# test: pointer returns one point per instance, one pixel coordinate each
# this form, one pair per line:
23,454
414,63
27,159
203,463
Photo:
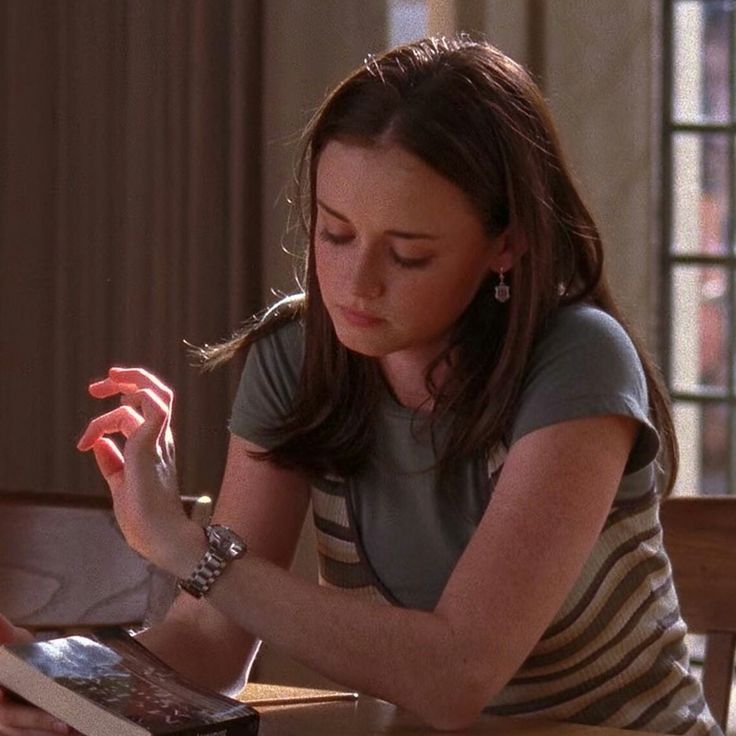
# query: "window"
699,257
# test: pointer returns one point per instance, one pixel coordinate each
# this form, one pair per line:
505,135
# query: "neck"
405,376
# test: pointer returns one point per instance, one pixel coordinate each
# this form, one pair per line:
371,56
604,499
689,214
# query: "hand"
141,477
21,719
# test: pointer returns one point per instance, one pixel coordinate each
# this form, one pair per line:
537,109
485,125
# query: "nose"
366,276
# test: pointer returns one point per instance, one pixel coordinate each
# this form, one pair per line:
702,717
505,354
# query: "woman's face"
400,252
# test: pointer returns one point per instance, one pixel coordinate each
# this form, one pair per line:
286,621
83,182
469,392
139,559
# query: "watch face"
224,542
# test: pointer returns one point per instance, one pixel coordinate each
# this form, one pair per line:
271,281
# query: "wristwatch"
224,546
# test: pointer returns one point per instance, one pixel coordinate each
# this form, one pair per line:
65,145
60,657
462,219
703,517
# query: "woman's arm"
266,505
546,512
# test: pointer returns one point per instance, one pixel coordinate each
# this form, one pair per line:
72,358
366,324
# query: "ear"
507,248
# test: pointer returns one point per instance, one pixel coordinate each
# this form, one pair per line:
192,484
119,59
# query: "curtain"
146,148
130,218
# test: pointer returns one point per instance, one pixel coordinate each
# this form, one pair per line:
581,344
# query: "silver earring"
502,291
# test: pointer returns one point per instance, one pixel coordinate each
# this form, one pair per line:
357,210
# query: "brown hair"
477,118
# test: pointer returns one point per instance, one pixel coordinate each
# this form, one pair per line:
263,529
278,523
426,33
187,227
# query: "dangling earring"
502,291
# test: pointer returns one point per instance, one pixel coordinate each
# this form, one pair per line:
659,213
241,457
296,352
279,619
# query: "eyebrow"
395,233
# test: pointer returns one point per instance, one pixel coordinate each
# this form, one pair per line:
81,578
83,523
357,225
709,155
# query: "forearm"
194,649
400,655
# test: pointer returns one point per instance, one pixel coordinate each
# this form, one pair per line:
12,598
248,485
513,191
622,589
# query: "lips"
358,318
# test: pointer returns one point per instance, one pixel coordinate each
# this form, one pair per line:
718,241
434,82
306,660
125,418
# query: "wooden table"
366,715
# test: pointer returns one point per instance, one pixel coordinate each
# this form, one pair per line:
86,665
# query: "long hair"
477,118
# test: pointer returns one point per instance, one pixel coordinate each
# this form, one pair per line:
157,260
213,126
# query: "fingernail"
61,727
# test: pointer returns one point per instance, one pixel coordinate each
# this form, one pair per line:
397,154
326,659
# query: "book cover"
108,683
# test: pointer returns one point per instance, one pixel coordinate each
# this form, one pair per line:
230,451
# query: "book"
108,683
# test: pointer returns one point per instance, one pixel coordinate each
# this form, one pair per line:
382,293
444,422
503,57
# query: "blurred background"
146,153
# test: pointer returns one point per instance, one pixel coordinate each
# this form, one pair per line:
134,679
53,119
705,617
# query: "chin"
372,346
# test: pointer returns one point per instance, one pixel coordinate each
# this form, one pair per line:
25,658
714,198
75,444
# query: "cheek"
334,268
444,300
323,269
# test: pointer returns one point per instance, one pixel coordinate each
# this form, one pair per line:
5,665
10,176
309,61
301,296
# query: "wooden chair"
700,538
65,567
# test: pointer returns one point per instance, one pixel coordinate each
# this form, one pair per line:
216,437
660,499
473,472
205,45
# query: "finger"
11,634
7,633
155,412
107,387
143,379
109,458
128,380
25,720
124,419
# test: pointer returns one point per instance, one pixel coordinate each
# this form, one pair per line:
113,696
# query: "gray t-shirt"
412,532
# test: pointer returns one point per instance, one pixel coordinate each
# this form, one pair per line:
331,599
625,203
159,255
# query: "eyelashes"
333,239
409,262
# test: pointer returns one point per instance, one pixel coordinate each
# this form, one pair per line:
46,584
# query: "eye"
329,237
410,262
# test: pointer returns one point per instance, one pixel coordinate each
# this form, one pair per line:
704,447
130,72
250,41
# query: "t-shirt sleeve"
268,385
586,365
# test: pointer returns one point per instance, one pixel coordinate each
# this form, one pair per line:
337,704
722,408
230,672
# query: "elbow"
448,720
457,703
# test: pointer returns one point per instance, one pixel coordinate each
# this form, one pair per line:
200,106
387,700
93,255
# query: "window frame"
670,258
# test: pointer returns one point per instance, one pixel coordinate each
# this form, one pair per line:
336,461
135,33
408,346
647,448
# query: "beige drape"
130,214
145,146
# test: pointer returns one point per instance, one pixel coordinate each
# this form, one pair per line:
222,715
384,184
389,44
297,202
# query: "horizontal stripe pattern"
340,564
349,575
330,507
614,654
336,548
370,592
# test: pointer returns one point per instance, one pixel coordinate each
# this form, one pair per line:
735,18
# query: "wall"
601,79
307,53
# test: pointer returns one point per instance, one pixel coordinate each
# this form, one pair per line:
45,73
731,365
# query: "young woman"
457,394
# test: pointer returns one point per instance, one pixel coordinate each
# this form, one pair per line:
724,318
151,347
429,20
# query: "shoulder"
585,346
269,380
583,364
277,334
588,331
280,345
274,359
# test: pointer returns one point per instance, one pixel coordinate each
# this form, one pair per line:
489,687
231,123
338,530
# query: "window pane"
700,328
701,40
702,431
701,189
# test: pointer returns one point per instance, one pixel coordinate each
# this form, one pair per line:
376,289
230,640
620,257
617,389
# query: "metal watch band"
204,575
224,546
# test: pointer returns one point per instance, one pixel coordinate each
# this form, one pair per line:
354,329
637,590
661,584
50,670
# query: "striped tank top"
615,653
